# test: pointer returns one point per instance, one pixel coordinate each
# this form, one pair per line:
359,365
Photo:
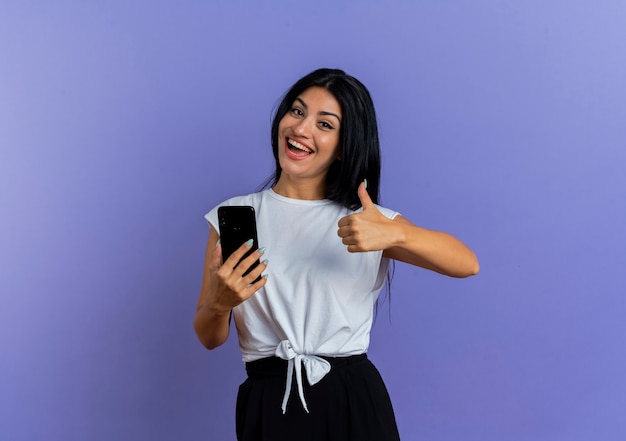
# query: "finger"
238,254
355,249
343,232
254,274
353,237
348,240
216,257
364,197
254,287
250,260
344,221
253,281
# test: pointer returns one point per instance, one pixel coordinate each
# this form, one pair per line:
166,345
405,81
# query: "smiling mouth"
296,147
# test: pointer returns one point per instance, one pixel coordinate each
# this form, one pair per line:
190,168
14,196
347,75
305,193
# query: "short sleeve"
211,218
387,212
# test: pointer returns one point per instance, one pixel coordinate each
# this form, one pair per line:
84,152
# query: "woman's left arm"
402,240
433,250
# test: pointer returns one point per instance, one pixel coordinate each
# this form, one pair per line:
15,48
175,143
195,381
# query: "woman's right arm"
223,288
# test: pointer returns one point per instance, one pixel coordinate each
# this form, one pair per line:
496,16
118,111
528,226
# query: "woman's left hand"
368,230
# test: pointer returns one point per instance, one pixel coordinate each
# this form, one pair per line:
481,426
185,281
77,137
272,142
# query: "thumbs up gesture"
368,230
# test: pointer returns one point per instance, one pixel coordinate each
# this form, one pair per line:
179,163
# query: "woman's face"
308,135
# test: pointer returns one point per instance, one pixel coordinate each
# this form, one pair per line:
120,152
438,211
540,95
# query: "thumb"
364,196
216,259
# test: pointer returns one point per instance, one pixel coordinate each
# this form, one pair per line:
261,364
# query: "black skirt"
350,403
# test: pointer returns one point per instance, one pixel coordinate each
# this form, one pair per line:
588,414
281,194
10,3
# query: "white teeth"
299,146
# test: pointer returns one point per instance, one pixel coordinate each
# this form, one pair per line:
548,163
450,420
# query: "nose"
303,127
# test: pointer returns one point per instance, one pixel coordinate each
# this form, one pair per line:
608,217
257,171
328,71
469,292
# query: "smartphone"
237,226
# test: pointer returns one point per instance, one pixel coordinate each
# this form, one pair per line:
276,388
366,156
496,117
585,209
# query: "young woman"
304,326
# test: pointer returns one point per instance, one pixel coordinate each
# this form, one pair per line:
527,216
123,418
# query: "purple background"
122,123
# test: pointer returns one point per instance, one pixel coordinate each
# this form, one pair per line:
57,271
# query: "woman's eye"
297,111
325,125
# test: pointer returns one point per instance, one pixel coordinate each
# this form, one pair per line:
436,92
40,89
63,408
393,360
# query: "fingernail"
266,276
261,250
249,242
217,244
365,182
265,262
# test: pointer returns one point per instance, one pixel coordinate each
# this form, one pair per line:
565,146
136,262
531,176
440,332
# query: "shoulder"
249,199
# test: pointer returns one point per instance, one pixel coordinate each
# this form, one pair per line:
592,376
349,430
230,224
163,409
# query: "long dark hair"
359,146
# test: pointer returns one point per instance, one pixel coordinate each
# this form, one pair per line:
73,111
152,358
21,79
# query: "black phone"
238,225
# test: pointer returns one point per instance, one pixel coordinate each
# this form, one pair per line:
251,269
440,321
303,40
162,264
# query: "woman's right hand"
223,287
228,285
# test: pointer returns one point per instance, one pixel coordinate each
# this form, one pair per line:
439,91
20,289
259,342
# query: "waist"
277,367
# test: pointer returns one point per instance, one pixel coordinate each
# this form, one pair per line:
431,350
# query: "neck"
304,189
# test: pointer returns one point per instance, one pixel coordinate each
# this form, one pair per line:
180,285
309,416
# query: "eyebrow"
321,113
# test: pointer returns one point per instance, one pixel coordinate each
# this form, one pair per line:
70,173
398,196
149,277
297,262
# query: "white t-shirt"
319,298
